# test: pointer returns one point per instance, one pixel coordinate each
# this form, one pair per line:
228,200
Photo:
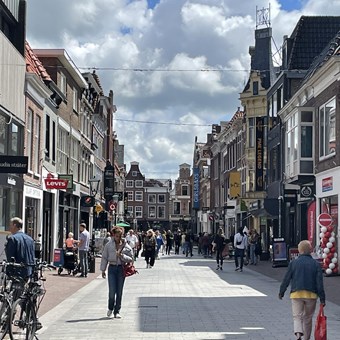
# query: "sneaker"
39,325
241,270
221,268
147,266
218,268
238,268
118,316
109,313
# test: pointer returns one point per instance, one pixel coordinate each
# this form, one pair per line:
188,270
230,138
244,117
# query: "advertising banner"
109,177
235,184
13,164
259,154
311,223
196,189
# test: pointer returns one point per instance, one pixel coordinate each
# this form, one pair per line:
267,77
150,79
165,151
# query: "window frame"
159,201
138,211
139,199
138,183
129,183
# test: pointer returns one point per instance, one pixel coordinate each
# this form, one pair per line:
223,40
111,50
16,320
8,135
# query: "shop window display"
328,235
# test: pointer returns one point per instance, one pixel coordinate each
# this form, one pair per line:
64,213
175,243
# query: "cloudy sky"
154,55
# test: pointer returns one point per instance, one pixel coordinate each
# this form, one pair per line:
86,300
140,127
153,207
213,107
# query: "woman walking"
150,248
219,244
115,254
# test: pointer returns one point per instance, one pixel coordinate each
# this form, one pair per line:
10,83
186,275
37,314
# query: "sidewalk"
182,299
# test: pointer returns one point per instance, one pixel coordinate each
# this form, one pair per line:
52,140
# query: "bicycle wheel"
4,317
23,320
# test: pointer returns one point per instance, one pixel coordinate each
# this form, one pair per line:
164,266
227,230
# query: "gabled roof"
34,65
309,38
331,49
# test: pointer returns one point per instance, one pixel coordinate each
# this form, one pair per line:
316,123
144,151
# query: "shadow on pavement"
87,320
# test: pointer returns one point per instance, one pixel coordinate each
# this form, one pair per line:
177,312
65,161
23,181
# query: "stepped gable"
34,65
310,36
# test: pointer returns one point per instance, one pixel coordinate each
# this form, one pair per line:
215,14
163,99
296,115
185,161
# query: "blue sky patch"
125,30
152,3
290,5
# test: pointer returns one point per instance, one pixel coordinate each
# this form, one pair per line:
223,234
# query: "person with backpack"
218,245
240,245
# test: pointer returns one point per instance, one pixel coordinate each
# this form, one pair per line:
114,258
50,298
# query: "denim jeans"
83,261
303,311
253,257
239,253
116,283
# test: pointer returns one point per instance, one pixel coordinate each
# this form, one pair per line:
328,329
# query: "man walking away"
240,244
84,245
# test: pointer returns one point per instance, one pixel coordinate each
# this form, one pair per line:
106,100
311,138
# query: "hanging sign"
53,183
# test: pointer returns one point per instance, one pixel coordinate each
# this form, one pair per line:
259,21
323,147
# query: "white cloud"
177,34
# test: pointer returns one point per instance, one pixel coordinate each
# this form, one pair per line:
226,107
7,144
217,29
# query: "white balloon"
326,250
324,255
332,239
328,271
331,266
322,235
333,234
329,245
335,255
334,260
323,229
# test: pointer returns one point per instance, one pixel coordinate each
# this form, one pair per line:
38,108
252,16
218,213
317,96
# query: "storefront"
327,229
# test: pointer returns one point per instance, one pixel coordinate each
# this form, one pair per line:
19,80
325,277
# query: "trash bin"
92,263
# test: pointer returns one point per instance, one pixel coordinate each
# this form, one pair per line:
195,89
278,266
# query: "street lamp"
115,199
94,187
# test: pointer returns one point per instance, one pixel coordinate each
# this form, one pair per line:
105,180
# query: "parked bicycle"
20,301
8,294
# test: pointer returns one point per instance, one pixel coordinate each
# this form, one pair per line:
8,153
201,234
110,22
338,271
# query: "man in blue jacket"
20,247
304,275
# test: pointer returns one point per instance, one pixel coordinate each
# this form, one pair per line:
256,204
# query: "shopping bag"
320,331
129,269
225,251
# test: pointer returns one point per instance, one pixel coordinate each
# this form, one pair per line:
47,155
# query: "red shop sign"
53,183
325,219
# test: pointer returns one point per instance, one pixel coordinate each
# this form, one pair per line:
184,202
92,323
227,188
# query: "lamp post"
94,187
115,198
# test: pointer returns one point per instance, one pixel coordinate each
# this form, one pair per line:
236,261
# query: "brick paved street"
180,299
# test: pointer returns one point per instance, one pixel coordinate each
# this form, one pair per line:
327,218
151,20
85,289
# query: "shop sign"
53,183
311,217
69,178
235,184
307,191
196,188
327,184
109,177
259,155
14,164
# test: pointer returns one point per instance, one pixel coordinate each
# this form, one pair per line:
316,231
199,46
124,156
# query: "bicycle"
8,291
24,321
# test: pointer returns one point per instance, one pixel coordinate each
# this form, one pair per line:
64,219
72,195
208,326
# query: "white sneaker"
118,316
109,313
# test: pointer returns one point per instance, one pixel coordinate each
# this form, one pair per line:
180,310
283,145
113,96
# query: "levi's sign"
53,183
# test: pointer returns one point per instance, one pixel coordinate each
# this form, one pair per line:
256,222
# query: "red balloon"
330,228
327,261
327,235
325,241
335,270
330,255
332,250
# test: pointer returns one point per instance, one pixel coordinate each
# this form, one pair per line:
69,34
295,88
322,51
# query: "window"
134,173
75,100
47,136
161,212
161,198
177,208
53,141
251,122
138,212
292,145
29,131
63,84
63,151
152,211
185,190
74,166
139,184
255,88
327,138
129,184
139,196
152,198
130,211
36,160
130,195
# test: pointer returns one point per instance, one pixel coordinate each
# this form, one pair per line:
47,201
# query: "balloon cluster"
330,257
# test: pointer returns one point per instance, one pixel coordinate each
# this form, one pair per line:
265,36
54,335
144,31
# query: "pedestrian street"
183,299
